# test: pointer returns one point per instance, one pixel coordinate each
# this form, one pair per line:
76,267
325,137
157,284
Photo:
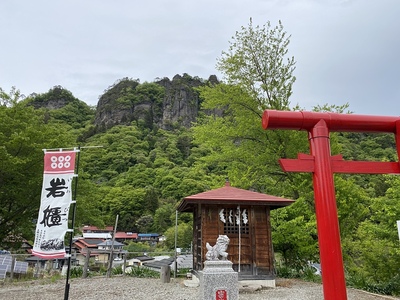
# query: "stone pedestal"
218,281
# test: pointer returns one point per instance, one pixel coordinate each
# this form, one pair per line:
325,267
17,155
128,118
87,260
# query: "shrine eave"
231,195
189,206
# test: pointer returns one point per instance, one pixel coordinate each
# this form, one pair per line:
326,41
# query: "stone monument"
218,280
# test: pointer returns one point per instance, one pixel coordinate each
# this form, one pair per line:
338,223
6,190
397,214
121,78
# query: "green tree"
164,216
151,199
136,248
61,106
257,62
11,98
259,75
88,202
294,232
144,223
184,236
23,134
128,203
375,250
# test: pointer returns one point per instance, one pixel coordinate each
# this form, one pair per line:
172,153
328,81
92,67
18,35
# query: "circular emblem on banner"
59,161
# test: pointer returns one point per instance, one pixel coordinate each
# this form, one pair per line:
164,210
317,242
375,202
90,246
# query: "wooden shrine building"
242,215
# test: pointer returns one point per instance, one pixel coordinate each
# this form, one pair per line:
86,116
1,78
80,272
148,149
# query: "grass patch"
142,272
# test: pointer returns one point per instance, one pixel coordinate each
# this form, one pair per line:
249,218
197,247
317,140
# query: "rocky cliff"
162,103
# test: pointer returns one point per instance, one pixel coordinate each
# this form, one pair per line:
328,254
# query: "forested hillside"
151,152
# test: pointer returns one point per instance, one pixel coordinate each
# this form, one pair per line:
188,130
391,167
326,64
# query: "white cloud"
346,51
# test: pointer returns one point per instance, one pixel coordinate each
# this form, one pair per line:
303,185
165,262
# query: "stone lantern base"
218,281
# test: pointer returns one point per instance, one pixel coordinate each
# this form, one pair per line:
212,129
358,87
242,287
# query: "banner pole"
240,236
66,292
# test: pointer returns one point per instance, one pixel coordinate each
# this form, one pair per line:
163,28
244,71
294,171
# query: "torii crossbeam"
323,165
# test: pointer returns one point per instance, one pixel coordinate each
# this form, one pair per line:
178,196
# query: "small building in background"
242,215
93,232
148,237
126,237
83,246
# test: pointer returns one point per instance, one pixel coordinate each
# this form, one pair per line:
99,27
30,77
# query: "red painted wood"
305,120
341,166
365,167
327,218
297,165
397,138
323,165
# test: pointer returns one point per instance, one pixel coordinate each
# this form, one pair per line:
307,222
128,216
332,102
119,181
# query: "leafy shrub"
117,270
142,272
391,287
308,274
286,272
183,271
76,272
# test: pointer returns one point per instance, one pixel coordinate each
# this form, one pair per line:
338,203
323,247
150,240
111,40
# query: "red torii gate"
323,165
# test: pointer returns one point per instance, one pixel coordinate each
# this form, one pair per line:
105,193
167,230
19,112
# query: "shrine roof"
228,194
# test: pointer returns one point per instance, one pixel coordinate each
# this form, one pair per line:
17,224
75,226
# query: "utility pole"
110,260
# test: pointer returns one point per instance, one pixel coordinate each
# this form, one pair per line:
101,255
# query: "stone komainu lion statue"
218,251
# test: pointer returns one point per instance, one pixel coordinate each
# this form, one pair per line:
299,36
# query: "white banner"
398,228
52,223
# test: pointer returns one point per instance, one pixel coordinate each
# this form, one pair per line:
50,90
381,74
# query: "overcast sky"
346,51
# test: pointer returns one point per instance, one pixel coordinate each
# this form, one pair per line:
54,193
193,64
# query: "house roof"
109,243
97,229
90,243
144,258
231,195
148,234
126,235
97,235
157,264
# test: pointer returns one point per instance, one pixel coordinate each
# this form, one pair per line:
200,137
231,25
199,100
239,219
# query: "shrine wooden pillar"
323,165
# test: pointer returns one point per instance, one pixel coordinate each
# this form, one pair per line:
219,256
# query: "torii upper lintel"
306,120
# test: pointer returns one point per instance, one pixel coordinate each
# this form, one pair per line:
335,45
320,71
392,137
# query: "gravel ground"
120,288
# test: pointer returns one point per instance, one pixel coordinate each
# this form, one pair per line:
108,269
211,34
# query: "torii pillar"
323,165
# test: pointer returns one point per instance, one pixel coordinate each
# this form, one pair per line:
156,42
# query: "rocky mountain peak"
162,103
